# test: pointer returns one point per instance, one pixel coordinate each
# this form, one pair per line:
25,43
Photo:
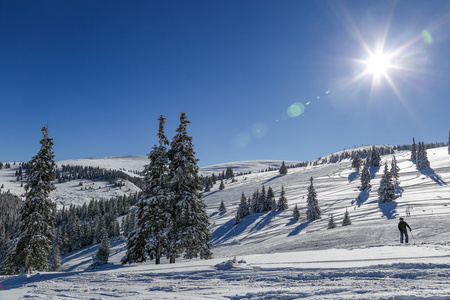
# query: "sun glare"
377,64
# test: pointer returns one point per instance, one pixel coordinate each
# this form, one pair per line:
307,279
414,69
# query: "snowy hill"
278,258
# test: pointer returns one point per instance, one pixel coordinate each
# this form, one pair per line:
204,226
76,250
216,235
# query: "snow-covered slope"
277,258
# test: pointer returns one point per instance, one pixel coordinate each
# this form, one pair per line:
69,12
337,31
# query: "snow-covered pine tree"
386,191
365,179
54,259
221,186
243,209
331,222
422,157
375,159
34,241
282,201
394,169
356,162
154,210
283,170
189,231
103,252
254,201
346,221
296,213
222,207
313,210
271,199
413,151
262,201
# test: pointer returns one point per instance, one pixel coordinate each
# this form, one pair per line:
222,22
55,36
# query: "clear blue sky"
259,79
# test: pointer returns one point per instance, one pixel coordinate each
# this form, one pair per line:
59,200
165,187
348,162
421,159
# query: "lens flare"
296,109
259,130
242,139
427,36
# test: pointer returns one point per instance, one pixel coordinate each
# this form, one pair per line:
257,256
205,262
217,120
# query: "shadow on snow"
436,178
299,228
389,209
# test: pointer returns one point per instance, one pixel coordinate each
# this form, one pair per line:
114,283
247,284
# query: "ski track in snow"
277,258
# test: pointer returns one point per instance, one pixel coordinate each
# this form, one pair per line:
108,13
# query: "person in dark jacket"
402,226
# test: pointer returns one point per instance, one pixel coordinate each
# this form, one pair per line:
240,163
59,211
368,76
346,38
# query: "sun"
378,64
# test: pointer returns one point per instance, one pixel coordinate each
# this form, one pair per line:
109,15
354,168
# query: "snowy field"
269,256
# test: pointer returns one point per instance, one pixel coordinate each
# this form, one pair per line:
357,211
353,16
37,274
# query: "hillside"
277,258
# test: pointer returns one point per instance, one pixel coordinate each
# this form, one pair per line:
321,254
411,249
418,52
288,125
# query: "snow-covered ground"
269,256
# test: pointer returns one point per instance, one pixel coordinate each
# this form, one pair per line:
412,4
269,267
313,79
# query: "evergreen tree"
375,159
222,207
313,211
356,162
422,157
283,170
54,259
331,222
282,201
262,201
394,169
272,204
365,179
221,186
254,202
103,252
243,206
296,213
33,244
153,208
346,220
414,151
386,191
189,231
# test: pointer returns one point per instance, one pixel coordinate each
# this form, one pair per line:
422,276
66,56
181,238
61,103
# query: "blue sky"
284,80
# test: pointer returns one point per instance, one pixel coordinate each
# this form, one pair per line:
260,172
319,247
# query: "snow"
269,256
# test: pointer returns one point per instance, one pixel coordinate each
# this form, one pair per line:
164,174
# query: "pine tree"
283,170
33,244
422,157
189,231
375,159
103,252
55,259
414,151
365,179
243,206
221,186
331,222
346,220
386,191
262,201
153,208
282,201
296,213
272,204
313,211
394,169
356,162
222,207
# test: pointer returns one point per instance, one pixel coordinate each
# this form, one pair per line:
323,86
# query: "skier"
403,231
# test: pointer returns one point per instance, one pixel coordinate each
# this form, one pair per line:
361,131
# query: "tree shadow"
264,221
273,178
230,230
362,197
299,228
436,178
398,189
373,171
389,209
352,176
